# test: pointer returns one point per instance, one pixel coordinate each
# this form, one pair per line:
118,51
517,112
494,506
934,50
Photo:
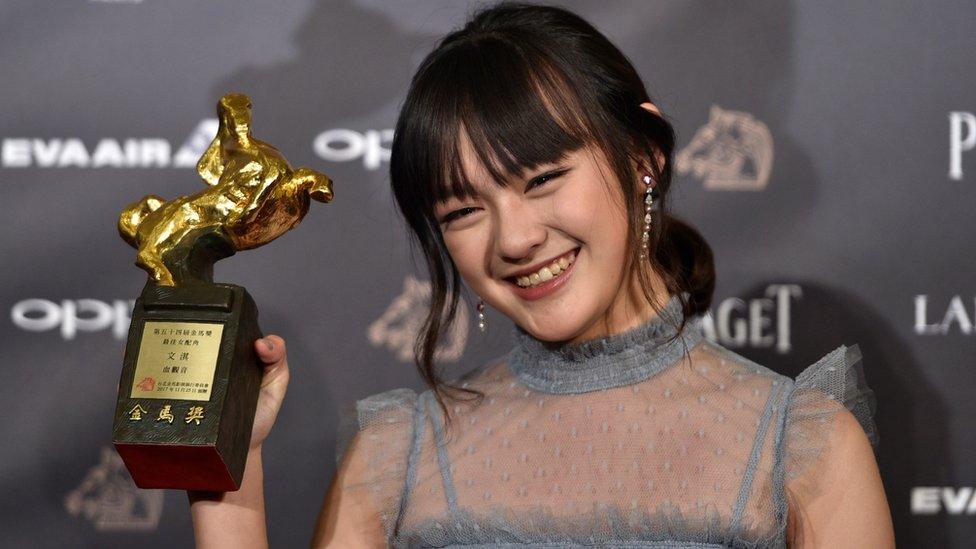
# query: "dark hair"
529,83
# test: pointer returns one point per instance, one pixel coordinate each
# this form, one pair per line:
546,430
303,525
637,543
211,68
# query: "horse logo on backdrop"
398,326
733,151
109,499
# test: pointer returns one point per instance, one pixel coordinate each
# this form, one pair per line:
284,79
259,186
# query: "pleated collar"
613,361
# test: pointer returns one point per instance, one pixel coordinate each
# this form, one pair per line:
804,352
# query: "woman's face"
570,213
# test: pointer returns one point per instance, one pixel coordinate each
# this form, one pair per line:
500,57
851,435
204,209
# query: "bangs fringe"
513,107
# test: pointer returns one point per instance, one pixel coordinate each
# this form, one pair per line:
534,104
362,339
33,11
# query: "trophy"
190,377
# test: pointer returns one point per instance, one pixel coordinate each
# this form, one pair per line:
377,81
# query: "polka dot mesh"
700,452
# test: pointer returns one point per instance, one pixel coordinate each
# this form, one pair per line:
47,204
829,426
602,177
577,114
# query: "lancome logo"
950,317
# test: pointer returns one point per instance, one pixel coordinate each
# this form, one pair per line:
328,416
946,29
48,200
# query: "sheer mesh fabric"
698,454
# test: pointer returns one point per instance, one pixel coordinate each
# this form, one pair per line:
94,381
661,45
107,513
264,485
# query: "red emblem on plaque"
147,384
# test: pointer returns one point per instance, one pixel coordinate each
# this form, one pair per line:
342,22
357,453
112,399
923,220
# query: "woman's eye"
457,214
545,178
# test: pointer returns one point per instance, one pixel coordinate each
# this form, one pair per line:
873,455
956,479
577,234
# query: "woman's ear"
651,107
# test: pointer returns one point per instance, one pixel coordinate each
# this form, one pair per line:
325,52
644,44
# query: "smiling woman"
534,171
525,137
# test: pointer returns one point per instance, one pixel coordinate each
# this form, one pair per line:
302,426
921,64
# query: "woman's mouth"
546,279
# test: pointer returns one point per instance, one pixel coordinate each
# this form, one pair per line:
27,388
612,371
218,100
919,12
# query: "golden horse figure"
253,197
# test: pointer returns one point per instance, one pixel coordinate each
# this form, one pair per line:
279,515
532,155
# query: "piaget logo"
757,323
733,151
108,152
962,138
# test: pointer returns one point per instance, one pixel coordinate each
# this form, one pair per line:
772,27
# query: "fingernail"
268,343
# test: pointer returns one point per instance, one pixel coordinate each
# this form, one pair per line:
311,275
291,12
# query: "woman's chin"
548,329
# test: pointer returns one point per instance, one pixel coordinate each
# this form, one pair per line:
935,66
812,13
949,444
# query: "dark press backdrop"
836,184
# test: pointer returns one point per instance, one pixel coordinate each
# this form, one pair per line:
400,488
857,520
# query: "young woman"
533,168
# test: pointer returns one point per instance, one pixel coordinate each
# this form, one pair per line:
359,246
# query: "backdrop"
825,152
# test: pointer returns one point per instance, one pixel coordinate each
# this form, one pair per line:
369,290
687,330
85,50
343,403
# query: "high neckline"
611,361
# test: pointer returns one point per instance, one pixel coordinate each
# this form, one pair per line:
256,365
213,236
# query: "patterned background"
838,197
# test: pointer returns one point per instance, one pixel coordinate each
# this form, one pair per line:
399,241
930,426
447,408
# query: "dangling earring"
481,315
649,196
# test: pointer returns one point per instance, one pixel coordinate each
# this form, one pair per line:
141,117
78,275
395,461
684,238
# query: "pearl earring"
649,196
481,315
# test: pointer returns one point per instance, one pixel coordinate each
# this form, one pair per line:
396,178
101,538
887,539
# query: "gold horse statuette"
253,197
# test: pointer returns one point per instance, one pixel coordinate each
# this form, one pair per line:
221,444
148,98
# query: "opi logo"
732,152
342,145
71,316
109,499
398,326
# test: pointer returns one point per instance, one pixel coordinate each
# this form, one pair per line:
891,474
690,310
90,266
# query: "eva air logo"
107,152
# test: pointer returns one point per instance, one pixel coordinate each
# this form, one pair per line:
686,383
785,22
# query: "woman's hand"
271,350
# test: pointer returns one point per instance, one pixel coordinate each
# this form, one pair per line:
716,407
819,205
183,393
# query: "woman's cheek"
467,251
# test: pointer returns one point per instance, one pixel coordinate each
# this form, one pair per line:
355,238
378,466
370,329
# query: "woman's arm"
237,519
348,517
232,519
848,508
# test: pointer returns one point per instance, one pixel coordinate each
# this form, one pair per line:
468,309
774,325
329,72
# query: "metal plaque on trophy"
190,377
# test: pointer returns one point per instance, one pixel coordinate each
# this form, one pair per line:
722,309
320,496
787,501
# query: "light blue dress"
653,437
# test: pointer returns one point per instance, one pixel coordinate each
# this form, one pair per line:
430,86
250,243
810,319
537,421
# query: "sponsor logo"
111,502
733,152
760,323
108,152
962,138
71,316
342,145
932,500
955,317
398,326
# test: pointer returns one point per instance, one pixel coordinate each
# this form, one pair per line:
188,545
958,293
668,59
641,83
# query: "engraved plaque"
177,360
191,378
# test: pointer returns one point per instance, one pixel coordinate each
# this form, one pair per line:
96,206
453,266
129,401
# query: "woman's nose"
518,232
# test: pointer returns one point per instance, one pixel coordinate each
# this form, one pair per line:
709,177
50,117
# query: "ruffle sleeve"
373,447
833,385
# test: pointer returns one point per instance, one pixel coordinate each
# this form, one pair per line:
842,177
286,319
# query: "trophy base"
189,387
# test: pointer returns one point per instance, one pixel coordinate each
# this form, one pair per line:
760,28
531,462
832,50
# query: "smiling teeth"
547,272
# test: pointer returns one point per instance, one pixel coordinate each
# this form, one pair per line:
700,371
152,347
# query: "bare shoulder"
841,502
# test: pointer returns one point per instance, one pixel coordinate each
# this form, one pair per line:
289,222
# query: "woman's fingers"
274,383
270,349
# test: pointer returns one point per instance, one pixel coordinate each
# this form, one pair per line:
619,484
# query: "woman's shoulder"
838,374
808,404
830,410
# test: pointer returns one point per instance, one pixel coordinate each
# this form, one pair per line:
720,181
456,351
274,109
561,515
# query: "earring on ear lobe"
649,194
481,315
